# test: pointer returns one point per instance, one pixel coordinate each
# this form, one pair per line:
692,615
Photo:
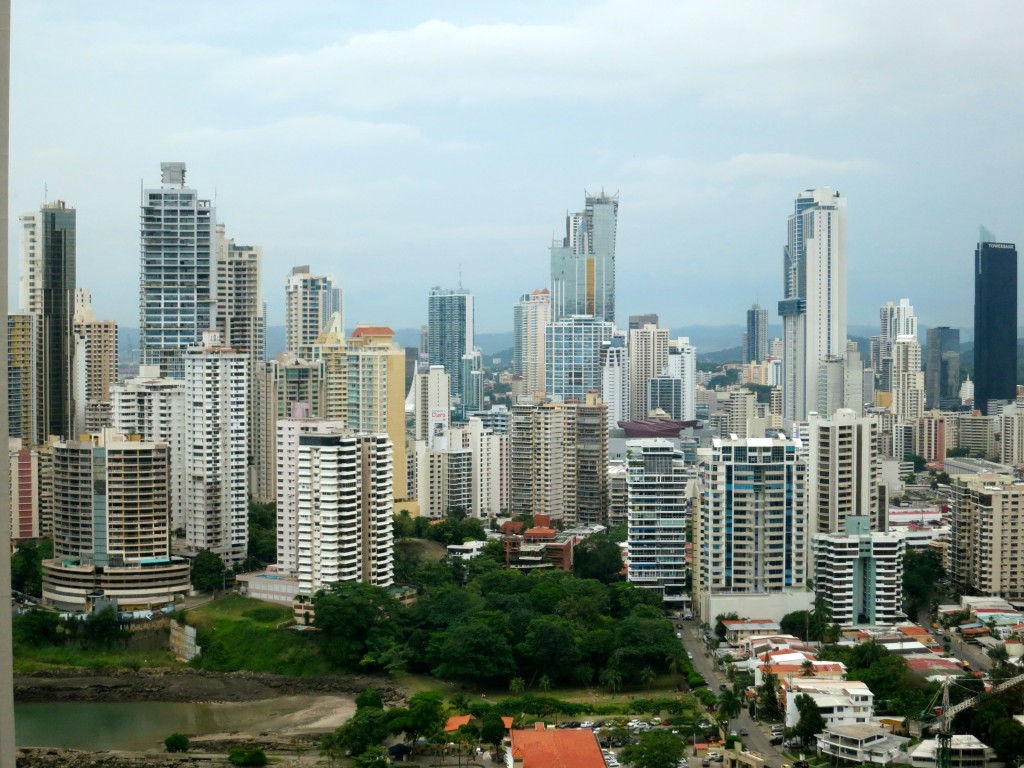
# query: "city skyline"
427,124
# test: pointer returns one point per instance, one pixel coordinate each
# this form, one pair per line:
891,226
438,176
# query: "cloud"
744,54
303,131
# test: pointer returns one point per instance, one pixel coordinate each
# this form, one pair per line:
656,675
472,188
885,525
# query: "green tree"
811,723
374,757
820,619
404,525
423,717
331,748
729,704
474,651
176,742
207,571
366,728
720,620
768,706
647,677
247,756
550,647
37,628
655,749
101,629
262,542
369,698
796,623
516,686
544,683
353,616
27,566
599,557
611,678
492,729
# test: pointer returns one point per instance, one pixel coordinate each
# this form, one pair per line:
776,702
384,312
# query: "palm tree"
516,686
807,668
611,678
729,704
544,683
647,677
330,748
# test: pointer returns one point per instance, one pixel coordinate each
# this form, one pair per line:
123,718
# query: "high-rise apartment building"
24,398
48,291
240,312
755,340
217,458
858,572
309,302
531,316
845,473
559,460
573,348
342,506
942,368
583,262
95,359
431,402
444,477
615,379
489,453
987,515
907,380
895,320
658,517
24,490
281,385
930,437
995,322
450,330
813,307
471,377
841,383
111,528
176,276
152,407
648,356
753,535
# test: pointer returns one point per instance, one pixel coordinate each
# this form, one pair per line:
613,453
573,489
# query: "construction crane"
946,713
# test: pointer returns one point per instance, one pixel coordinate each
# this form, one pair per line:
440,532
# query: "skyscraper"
450,331
845,473
755,341
583,262
240,312
648,356
48,291
995,322
95,360
573,348
942,367
176,275
531,317
615,379
24,400
309,302
907,380
895,320
813,307
217,436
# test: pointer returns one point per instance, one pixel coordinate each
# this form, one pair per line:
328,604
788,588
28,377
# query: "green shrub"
176,742
243,756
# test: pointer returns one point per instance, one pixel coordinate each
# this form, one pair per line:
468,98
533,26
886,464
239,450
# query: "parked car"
775,741
744,732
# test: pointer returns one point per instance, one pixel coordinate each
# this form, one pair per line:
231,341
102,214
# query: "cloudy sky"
396,144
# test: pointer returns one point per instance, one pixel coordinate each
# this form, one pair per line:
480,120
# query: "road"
759,734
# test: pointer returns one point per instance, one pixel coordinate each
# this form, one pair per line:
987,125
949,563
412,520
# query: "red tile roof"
372,330
558,748
457,721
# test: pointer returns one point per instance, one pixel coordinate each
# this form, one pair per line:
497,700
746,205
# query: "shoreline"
187,686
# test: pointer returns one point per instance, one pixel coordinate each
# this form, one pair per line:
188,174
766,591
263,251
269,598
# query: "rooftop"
552,748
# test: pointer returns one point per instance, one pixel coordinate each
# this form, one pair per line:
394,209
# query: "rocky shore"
187,686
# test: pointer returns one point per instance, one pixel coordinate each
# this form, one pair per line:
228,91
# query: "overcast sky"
395,144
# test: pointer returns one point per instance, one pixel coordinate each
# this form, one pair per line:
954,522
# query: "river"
141,726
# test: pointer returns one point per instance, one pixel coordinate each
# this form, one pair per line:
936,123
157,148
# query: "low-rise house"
841,702
860,743
738,630
966,751
553,748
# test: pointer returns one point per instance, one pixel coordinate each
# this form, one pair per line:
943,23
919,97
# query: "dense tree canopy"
207,571
599,557
656,749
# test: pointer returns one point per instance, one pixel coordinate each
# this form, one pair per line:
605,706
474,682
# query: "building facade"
532,315
755,340
450,330
176,276
995,322
813,307
987,516
845,472
942,367
583,262
573,348
858,572
95,360
309,302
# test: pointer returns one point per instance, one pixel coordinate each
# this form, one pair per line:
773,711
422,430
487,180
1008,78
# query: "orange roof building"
552,748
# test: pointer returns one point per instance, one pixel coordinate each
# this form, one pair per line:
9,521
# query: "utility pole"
6,641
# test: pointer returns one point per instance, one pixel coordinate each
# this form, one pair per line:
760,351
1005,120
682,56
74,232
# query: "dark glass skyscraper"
942,367
995,323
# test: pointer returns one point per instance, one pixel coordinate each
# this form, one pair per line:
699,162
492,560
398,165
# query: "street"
757,740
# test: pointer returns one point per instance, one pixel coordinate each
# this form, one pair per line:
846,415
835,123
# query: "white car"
689,655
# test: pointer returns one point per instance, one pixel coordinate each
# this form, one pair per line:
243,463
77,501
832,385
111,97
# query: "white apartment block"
841,702
845,472
930,436
658,517
859,573
431,395
753,533
985,550
444,477
309,302
287,482
532,315
153,407
907,380
648,357
95,358
216,448
615,380
1011,436
490,468
345,510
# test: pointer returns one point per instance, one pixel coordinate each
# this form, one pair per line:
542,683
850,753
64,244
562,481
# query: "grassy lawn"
45,659
240,633
425,548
